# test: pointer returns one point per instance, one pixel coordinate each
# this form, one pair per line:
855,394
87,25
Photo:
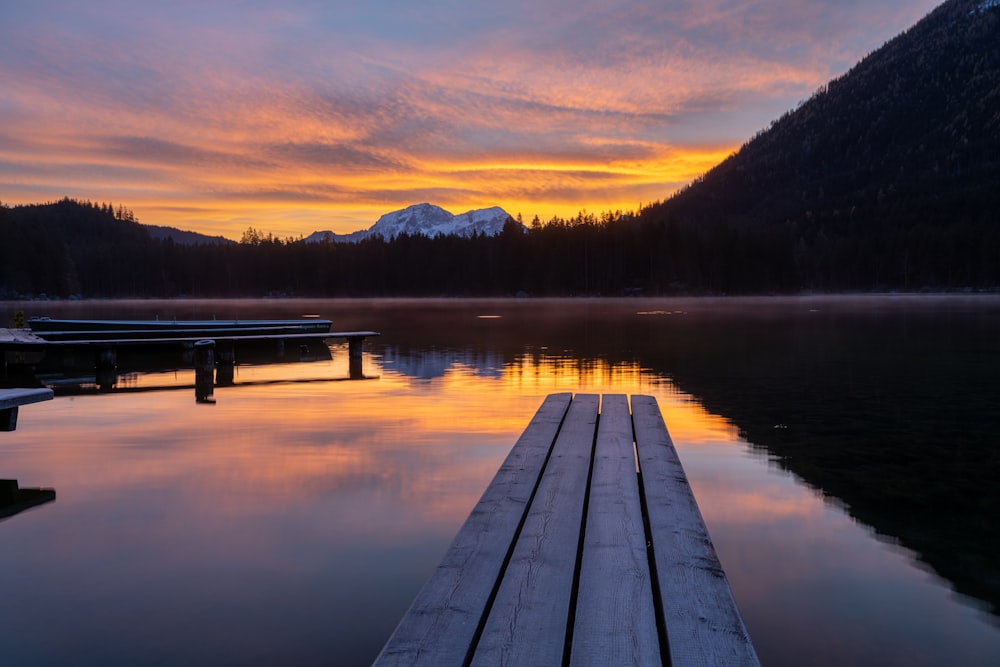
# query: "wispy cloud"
299,116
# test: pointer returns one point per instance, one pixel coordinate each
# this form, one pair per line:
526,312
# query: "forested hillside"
887,177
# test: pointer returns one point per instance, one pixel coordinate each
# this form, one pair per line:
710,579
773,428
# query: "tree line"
72,248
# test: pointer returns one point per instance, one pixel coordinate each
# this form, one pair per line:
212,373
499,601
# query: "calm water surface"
293,521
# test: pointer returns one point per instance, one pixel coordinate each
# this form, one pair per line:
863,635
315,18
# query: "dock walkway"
587,548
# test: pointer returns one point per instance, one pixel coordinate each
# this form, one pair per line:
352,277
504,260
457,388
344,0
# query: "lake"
844,452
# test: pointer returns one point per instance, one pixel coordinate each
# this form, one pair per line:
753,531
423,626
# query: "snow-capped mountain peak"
426,220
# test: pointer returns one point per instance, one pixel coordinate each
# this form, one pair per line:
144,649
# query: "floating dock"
587,548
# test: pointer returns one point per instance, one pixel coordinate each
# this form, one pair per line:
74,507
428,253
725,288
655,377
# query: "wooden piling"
204,371
106,368
8,419
225,363
355,345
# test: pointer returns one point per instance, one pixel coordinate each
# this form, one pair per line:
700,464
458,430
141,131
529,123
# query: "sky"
297,116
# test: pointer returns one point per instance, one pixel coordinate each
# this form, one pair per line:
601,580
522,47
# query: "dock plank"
528,622
615,618
17,339
441,625
703,624
10,398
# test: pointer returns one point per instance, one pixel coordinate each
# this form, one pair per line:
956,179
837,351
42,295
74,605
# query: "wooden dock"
587,548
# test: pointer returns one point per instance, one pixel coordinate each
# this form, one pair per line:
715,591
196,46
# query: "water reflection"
158,372
295,521
14,499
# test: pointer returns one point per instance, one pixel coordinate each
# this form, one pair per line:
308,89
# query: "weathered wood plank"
528,621
21,340
10,398
443,620
615,619
703,624
19,337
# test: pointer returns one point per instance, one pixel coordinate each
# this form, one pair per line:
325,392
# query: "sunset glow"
297,117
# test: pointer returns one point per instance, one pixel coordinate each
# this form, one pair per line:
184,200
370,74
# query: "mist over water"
843,452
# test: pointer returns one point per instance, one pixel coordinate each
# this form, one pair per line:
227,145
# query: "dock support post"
225,359
8,419
354,347
204,371
106,366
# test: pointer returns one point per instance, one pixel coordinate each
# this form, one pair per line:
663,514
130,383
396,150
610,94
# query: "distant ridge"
183,237
424,220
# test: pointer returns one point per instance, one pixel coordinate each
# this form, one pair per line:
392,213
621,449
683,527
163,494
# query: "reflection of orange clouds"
735,505
432,445
688,422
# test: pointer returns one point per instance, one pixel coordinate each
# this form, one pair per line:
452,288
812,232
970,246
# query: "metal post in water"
204,371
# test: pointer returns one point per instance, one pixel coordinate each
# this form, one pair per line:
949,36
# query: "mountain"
908,138
425,220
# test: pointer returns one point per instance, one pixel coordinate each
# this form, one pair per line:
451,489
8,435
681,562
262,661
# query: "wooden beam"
441,626
703,624
528,622
615,619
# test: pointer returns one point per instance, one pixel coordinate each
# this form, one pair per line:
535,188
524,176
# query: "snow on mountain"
426,220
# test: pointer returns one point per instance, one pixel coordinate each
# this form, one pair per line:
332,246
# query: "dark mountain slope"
901,155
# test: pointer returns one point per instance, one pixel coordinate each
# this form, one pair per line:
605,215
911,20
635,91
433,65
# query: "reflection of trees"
895,416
